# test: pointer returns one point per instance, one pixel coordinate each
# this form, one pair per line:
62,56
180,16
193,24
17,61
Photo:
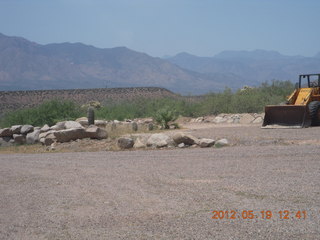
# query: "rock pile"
244,118
160,140
61,132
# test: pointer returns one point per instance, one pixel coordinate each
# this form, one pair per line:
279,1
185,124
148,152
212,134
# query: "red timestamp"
264,214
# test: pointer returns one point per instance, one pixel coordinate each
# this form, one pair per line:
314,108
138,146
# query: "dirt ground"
169,194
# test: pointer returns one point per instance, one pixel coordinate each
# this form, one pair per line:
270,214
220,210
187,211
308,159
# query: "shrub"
47,113
163,116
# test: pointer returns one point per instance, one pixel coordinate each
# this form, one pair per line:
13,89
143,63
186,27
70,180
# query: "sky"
168,27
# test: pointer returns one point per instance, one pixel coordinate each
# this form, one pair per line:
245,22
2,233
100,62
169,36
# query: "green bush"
165,115
47,113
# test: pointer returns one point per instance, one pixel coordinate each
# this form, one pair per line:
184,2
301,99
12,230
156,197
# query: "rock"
45,134
185,138
58,126
16,129
6,141
139,143
116,121
84,123
221,143
53,146
70,134
236,118
26,129
158,140
209,119
206,142
33,137
219,119
257,120
125,143
95,132
82,119
47,138
47,141
19,138
181,145
100,123
49,134
6,132
246,118
199,119
45,128
72,124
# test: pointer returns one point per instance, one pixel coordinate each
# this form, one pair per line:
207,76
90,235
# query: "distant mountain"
317,55
249,67
26,65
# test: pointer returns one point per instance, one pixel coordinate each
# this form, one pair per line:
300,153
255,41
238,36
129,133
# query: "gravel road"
169,194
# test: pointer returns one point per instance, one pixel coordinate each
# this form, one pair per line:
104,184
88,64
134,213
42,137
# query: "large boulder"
45,134
47,141
58,126
83,121
221,143
220,119
70,134
6,132
19,138
246,118
33,137
158,140
25,129
16,129
125,143
206,142
6,141
140,143
100,123
185,138
72,124
95,132
45,128
258,120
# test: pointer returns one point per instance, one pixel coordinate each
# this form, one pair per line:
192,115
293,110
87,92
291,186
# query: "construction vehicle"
302,108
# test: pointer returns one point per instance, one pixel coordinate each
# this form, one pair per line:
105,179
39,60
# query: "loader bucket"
287,116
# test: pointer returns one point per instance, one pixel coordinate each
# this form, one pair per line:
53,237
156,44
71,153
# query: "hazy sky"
167,27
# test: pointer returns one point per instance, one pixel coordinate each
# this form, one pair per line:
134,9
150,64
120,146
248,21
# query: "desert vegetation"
246,100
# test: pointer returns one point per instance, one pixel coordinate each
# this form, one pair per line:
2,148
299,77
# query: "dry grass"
35,148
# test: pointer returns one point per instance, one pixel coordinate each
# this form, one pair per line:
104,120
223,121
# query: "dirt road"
169,194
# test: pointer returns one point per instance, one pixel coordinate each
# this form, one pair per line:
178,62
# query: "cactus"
134,126
90,116
150,126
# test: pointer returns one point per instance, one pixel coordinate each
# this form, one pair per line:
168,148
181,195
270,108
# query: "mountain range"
26,65
238,68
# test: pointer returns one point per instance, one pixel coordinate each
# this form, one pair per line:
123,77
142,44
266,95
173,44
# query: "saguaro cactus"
134,126
90,116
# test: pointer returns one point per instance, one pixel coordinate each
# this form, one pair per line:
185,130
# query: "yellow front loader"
302,108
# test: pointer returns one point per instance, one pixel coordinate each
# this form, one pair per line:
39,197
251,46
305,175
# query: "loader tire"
314,110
